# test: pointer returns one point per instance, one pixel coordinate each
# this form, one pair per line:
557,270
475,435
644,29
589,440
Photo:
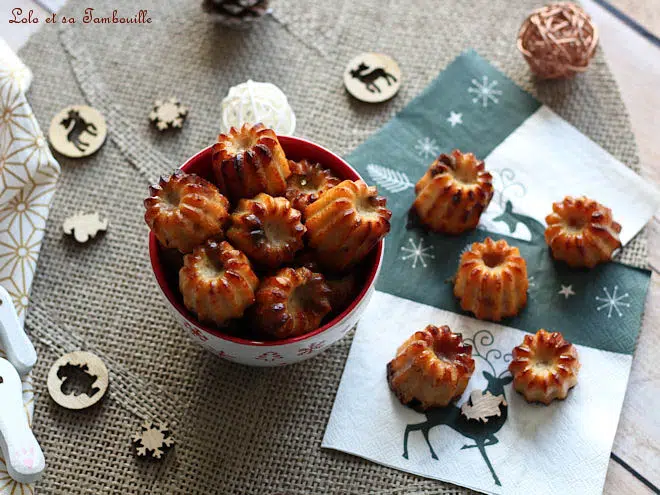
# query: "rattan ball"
558,40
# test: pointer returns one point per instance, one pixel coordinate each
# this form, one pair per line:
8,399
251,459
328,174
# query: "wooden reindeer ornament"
372,77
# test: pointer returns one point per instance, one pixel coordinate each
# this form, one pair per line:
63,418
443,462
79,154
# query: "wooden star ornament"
483,406
168,114
152,440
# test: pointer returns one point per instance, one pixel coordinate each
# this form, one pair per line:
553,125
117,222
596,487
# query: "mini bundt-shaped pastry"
267,229
291,303
453,193
249,161
492,280
217,282
544,367
581,232
345,223
307,182
185,210
431,368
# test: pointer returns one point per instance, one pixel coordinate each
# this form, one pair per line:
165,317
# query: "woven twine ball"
558,40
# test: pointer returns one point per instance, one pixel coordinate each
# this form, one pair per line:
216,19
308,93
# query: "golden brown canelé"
249,161
307,182
184,210
581,232
345,223
217,282
453,193
544,367
491,281
291,303
267,229
431,368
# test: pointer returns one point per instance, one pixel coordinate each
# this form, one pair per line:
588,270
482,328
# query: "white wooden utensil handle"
22,453
15,342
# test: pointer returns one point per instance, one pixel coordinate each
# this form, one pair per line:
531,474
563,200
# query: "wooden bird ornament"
483,406
84,226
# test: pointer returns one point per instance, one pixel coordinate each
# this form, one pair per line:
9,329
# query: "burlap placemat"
238,429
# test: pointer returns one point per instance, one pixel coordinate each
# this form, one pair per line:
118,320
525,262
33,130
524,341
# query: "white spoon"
19,349
23,455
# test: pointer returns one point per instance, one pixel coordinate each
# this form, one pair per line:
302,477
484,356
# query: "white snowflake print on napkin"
417,253
427,147
484,91
613,301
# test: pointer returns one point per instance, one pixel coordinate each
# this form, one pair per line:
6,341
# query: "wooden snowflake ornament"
168,114
483,406
152,440
84,226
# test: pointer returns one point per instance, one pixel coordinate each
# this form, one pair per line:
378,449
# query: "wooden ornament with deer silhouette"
78,380
372,77
77,131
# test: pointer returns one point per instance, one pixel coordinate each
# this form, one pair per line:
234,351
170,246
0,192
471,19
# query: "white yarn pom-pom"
252,102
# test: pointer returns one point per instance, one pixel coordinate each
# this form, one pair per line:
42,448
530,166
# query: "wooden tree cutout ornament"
78,380
168,114
152,440
84,226
483,406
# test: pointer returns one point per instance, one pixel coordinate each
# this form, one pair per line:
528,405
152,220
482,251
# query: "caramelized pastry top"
345,223
291,303
184,210
544,367
492,280
217,282
307,182
582,232
267,229
248,161
453,193
431,368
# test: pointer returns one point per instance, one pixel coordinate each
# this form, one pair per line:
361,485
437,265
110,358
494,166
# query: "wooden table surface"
634,58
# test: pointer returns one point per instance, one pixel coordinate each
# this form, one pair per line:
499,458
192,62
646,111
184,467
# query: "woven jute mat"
239,430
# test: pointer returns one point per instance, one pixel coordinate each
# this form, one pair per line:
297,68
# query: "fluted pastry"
431,368
291,303
217,282
345,223
453,193
267,229
581,232
249,161
184,210
307,182
544,367
491,281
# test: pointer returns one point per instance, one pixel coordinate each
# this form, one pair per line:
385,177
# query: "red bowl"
269,352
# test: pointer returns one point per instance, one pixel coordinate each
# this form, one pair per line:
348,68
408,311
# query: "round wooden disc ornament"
78,380
372,77
77,131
